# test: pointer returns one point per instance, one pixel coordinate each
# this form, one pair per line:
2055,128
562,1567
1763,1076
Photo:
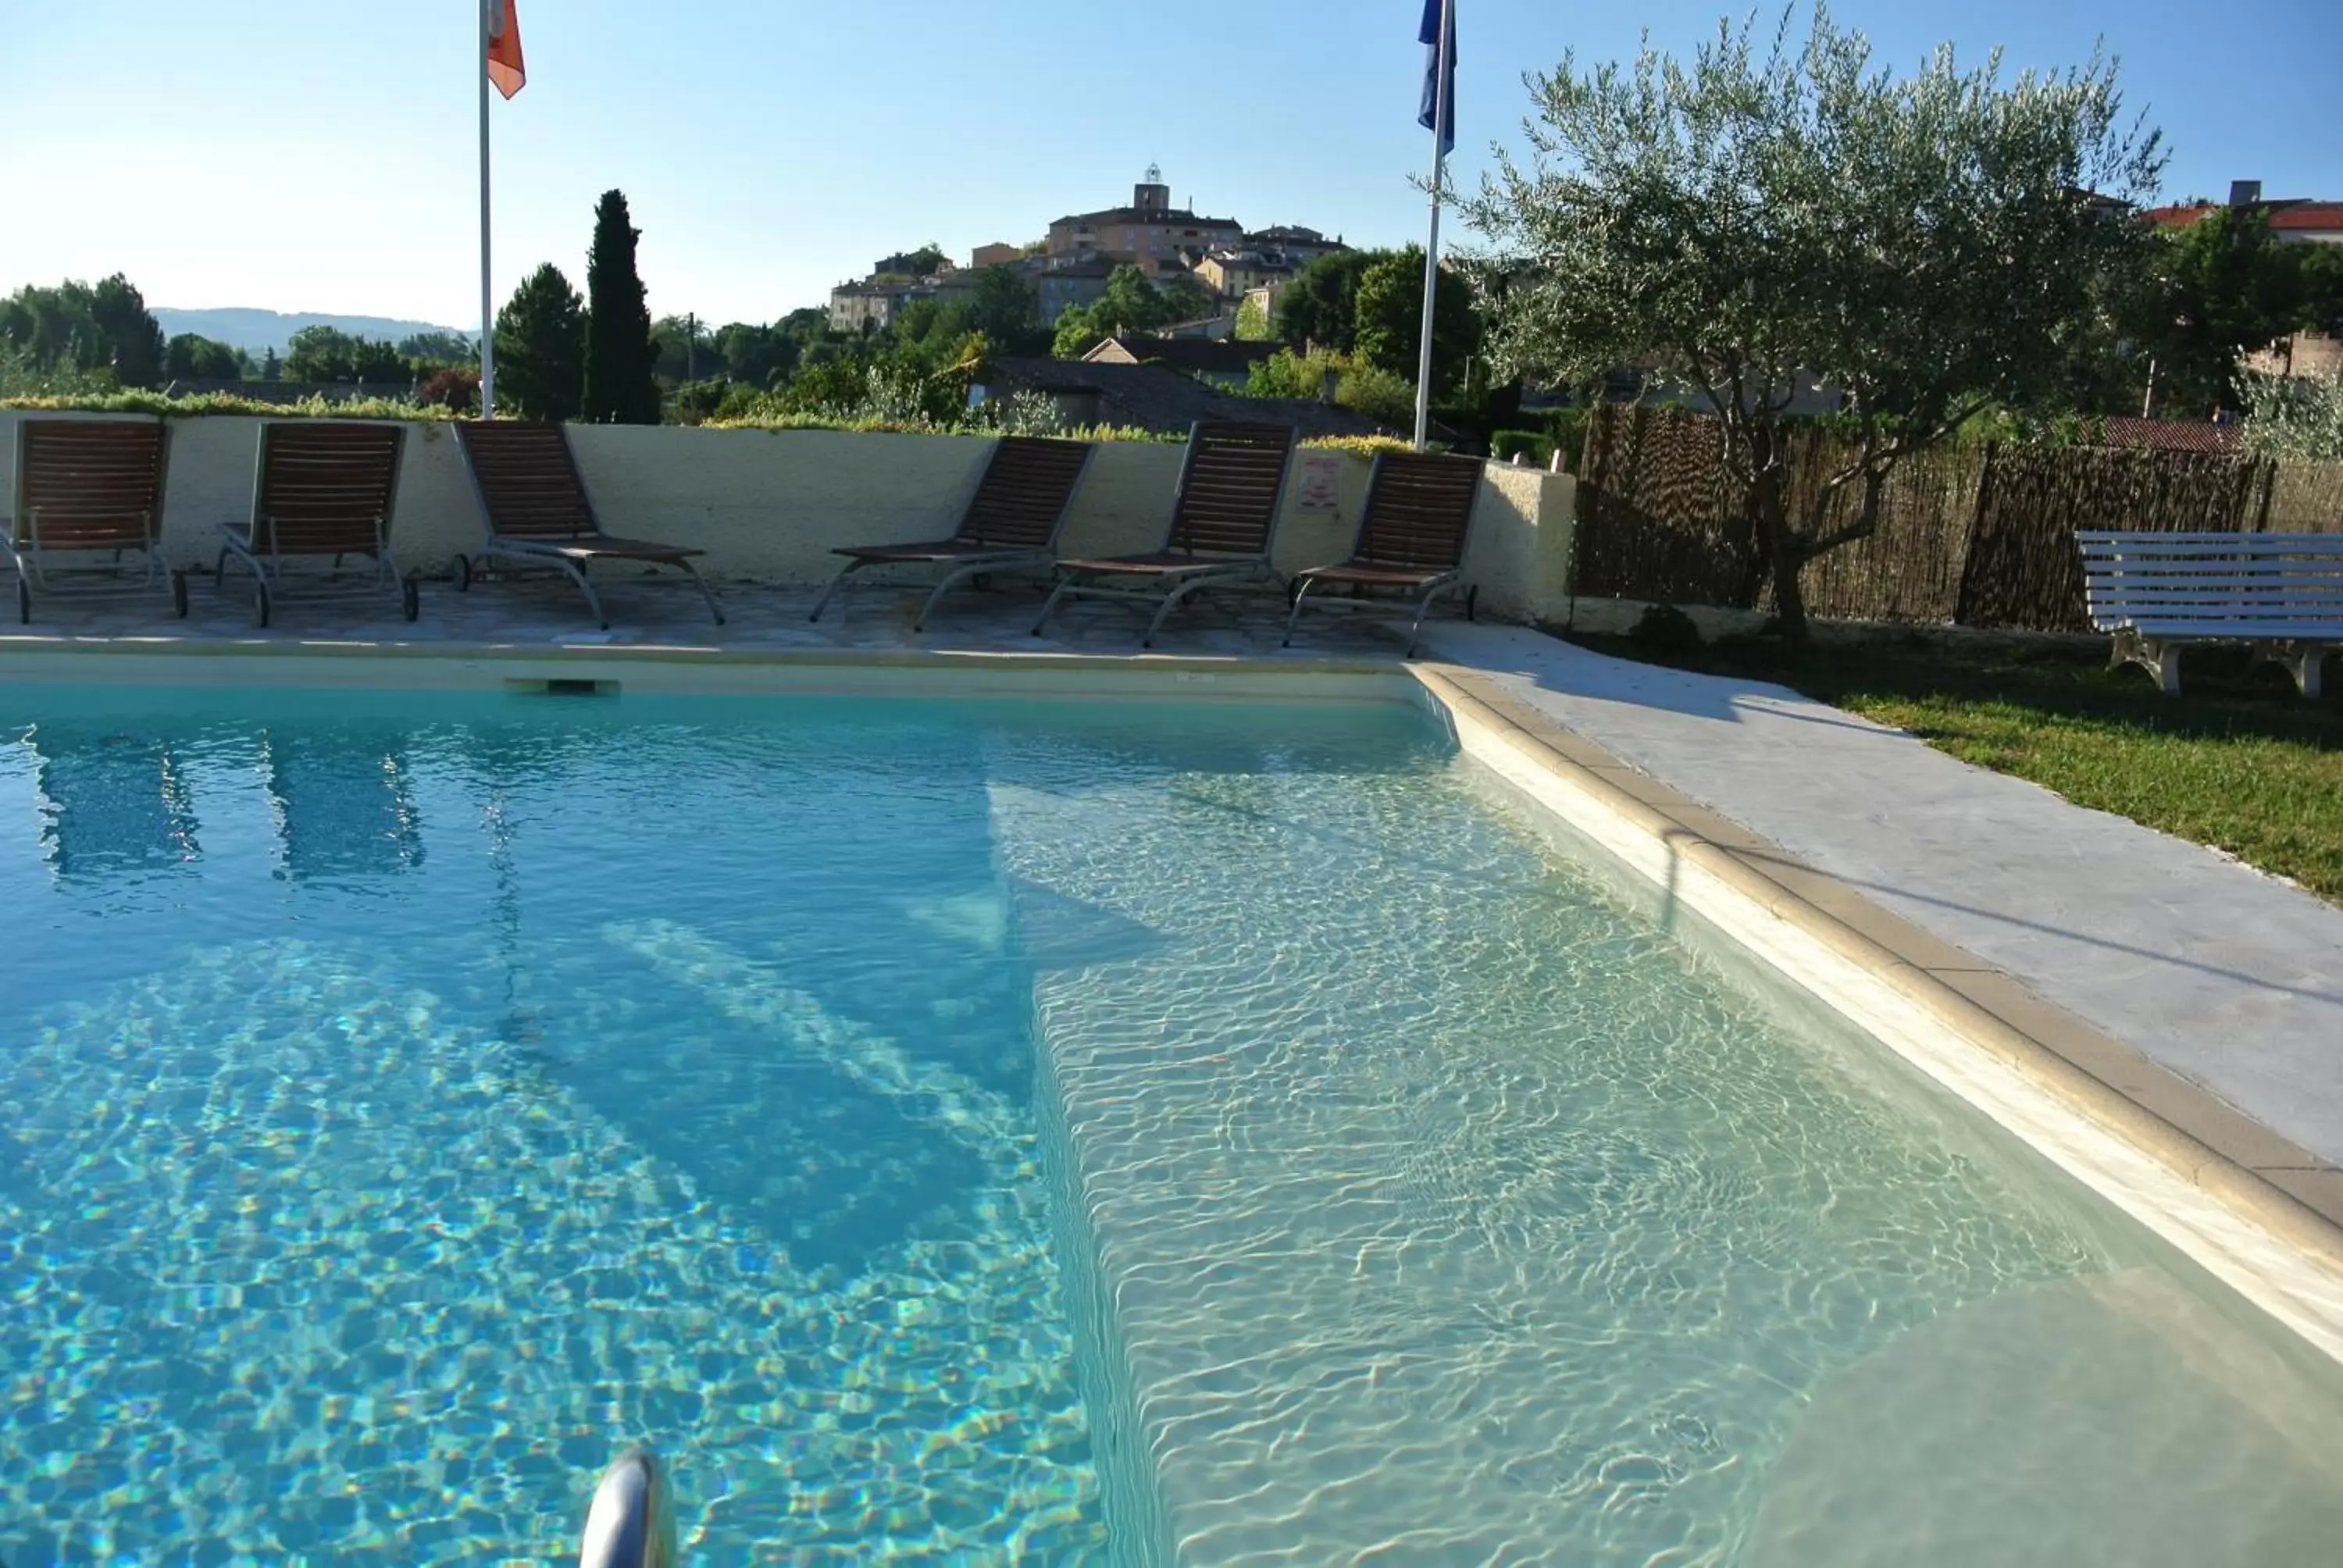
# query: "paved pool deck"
2218,977
541,612
2228,978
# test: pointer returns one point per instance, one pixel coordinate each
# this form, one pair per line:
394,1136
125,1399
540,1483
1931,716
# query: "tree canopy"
329,353
1925,248
2225,287
82,326
439,349
1132,303
2294,420
190,356
1318,308
757,356
1000,306
618,388
541,347
1388,313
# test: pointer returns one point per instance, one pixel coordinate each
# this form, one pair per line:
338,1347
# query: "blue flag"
1430,36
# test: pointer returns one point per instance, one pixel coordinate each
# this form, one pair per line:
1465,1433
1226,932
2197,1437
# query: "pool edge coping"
2189,1130
15,644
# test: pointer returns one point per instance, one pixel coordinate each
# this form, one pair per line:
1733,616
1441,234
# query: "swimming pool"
1021,1133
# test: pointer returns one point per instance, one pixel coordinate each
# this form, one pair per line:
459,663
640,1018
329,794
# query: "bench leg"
576,572
2163,661
1294,611
1171,602
707,593
2300,659
837,584
2158,657
1065,585
949,580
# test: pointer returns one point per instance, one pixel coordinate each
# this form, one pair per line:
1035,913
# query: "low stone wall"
769,506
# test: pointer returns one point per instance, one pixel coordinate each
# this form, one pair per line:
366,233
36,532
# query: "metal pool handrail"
631,1522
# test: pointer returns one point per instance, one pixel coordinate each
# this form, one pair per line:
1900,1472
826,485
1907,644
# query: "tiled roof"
2287,216
2170,434
1188,356
1167,216
1164,401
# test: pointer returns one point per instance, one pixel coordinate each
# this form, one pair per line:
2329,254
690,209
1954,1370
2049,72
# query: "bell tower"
1151,195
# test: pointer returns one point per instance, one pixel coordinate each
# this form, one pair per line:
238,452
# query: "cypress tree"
619,389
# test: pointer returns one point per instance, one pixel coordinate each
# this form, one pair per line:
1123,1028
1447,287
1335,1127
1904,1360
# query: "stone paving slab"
2229,978
663,611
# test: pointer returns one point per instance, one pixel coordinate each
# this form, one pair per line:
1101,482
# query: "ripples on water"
404,1100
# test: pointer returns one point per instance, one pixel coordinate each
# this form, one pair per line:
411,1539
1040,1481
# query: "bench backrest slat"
2257,582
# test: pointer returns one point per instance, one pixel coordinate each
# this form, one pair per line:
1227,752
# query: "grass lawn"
2240,762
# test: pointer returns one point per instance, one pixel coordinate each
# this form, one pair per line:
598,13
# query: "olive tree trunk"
1785,553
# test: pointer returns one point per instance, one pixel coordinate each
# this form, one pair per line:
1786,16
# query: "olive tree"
1926,246
2294,420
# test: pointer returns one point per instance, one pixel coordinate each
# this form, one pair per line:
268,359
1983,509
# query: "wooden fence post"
1964,601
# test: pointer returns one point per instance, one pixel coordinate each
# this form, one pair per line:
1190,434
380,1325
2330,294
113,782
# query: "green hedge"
210,403
1535,445
221,403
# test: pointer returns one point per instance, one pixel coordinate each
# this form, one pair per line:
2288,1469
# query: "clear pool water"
405,1099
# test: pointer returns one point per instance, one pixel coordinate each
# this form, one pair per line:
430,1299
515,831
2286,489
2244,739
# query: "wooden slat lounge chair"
1412,532
88,488
1223,523
538,515
1011,523
324,487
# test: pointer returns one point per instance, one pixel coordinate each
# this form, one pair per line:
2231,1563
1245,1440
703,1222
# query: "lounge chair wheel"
460,569
410,602
23,602
260,605
179,595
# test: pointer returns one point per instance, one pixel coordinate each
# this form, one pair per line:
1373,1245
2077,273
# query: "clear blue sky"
321,156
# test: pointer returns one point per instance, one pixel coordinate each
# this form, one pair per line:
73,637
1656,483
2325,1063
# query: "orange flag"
504,68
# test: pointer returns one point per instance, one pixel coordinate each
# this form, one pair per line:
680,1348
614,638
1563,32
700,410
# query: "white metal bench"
2281,594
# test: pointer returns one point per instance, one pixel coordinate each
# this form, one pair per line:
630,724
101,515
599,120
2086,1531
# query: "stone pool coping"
1743,883
2260,1210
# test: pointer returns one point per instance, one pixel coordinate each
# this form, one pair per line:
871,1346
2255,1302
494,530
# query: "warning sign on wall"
1322,482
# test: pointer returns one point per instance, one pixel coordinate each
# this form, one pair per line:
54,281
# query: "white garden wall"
769,506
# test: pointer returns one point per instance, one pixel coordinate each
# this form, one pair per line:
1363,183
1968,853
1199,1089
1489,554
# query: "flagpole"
488,321
1431,241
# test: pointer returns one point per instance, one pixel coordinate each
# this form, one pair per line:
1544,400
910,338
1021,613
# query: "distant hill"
258,331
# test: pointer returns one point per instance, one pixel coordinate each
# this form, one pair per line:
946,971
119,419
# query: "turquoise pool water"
406,1098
